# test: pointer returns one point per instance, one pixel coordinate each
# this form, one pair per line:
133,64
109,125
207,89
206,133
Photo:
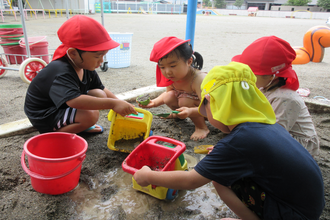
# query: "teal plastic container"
106,7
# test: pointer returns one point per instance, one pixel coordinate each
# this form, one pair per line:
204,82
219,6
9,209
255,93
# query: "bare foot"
95,129
199,133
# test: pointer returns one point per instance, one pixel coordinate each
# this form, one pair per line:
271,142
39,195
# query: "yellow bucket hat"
234,97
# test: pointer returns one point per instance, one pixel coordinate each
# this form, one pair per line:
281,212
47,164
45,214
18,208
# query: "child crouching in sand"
178,69
67,94
270,58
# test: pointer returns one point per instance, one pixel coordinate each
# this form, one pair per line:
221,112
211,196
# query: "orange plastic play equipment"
315,40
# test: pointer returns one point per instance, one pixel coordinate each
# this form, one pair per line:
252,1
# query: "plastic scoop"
165,115
202,149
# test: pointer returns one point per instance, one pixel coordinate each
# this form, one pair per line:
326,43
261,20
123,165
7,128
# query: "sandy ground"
104,190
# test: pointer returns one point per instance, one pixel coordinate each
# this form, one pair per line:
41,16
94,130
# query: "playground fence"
150,8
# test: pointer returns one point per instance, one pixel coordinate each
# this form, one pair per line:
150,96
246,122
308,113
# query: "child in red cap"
67,94
270,58
178,69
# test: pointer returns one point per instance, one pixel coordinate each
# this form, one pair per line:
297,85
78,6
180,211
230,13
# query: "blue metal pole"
191,21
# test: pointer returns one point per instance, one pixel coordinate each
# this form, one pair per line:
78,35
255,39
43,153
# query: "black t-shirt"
54,85
275,161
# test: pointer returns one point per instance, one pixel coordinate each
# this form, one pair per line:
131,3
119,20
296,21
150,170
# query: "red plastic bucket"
38,47
156,156
14,53
11,36
9,40
55,161
6,31
11,29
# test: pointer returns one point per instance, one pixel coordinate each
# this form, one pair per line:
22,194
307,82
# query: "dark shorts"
62,118
254,197
251,195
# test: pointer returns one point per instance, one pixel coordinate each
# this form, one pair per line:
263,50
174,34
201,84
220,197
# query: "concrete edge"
24,126
316,105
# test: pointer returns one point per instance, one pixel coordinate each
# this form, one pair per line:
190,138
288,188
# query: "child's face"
91,60
174,68
215,123
263,80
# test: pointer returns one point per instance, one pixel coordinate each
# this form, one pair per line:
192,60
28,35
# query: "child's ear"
72,52
207,96
190,61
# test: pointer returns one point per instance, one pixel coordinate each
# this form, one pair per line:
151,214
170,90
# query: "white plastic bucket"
120,56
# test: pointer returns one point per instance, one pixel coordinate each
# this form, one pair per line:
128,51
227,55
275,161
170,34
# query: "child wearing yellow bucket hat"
270,59
258,169
67,94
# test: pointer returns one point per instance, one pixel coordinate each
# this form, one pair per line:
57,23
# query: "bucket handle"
8,32
38,176
31,43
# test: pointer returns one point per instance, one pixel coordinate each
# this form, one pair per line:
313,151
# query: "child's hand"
140,176
151,104
124,108
210,149
184,112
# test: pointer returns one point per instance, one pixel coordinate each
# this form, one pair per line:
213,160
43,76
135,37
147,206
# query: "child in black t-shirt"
67,94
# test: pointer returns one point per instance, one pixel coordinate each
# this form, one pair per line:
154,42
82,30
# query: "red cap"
83,33
162,48
271,55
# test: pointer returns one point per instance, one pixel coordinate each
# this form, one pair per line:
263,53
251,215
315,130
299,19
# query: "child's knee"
97,93
187,102
224,192
95,114
87,117
92,117
171,100
219,186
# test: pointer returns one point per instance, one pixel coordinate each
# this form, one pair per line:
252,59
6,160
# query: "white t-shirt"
292,113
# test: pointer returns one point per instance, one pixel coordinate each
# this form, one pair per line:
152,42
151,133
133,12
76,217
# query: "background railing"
150,8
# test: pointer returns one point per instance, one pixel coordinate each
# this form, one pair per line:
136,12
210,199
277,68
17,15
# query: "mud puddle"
114,191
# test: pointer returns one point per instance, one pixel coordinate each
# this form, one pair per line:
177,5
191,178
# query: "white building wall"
36,4
80,5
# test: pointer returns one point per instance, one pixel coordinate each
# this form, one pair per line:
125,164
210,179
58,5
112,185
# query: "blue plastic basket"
120,56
